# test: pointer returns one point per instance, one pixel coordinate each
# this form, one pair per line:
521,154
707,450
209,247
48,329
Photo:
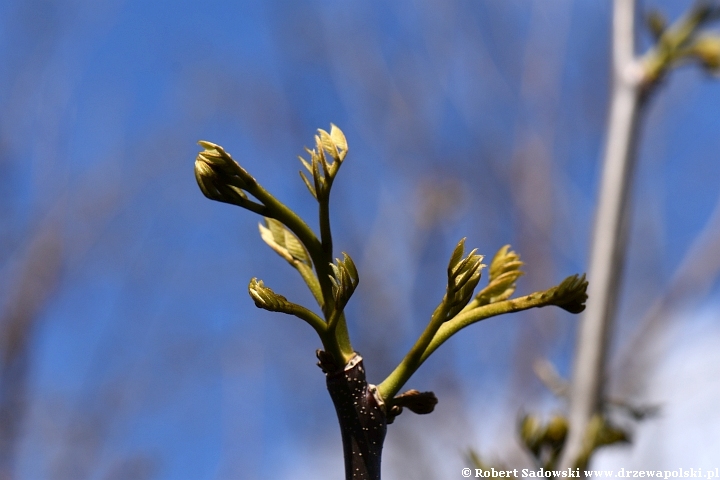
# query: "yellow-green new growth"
220,178
284,242
463,277
288,246
334,144
268,300
503,273
455,313
344,280
681,42
333,283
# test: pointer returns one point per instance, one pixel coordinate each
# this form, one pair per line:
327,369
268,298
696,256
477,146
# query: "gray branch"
610,232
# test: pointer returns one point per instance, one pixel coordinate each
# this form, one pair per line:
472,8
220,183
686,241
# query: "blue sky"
149,360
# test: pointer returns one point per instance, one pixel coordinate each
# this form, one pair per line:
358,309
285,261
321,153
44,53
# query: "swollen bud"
266,299
556,430
531,433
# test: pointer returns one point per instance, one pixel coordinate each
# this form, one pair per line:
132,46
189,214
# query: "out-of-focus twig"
550,377
35,283
609,241
633,80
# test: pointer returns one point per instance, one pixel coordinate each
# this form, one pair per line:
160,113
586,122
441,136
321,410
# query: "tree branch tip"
571,294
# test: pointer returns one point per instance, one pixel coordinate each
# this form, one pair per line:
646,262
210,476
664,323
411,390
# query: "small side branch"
456,311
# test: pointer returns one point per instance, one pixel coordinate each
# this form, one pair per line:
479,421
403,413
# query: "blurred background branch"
609,241
633,82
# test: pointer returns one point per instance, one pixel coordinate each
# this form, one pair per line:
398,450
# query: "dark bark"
362,417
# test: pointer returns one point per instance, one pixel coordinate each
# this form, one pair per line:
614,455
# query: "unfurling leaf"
344,281
220,178
571,294
322,170
284,242
266,299
504,272
333,143
505,260
215,187
307,183
456,255
463,277
205,177
317,186
338,138
216,156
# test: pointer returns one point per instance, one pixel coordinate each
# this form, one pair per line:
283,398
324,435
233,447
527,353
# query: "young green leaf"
571,294
284,242
323,172
308,184
503,273
463,277
266,299
338,138
344,281
220,178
